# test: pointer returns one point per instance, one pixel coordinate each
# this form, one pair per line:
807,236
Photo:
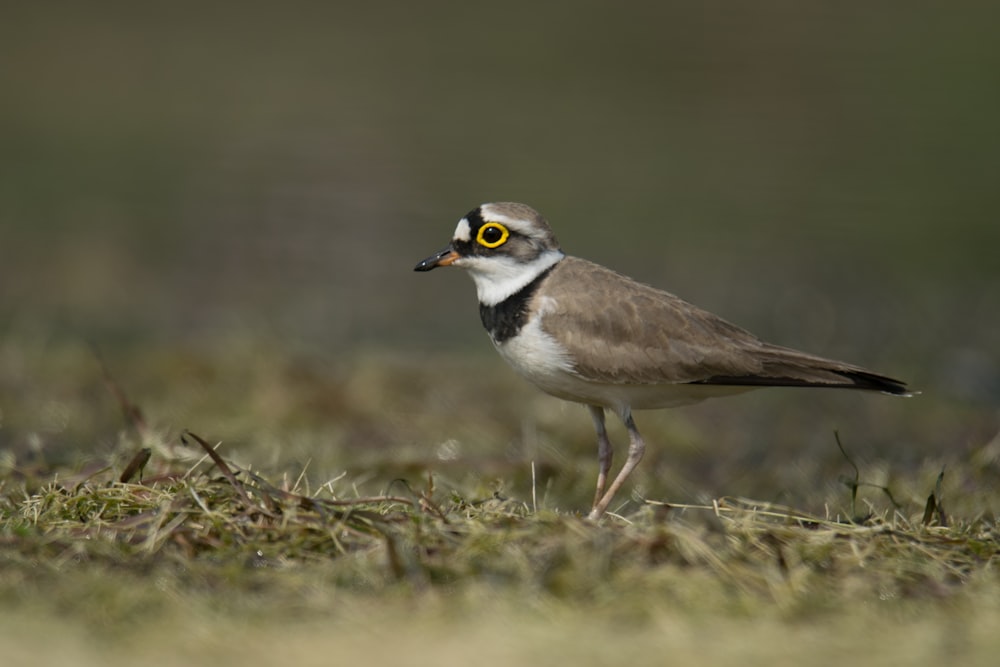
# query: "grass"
168,547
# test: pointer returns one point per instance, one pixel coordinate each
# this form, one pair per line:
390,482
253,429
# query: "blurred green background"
197,176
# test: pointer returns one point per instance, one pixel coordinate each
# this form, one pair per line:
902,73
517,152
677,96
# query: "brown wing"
647,336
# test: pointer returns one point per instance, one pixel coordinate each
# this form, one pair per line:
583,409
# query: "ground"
382,535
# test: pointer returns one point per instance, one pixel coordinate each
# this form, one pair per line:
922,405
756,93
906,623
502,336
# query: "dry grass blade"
933,508
320,504
223,467
136,465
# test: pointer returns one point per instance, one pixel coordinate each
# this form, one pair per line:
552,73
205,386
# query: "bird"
587,334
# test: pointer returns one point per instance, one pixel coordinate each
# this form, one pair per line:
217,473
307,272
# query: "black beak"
443,258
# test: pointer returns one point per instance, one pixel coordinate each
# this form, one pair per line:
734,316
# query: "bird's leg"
604,452
636,449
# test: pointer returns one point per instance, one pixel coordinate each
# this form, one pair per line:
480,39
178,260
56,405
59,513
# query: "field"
302,543
235,427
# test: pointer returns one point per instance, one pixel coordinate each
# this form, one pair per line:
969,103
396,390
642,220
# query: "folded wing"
648,336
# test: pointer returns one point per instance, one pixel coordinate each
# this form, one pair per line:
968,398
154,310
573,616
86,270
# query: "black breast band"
505,319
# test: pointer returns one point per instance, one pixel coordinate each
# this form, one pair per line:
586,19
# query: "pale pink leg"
605,453
636,449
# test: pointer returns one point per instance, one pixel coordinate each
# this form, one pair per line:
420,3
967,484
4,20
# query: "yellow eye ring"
488,235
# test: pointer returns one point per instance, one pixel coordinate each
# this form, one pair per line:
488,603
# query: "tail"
784,367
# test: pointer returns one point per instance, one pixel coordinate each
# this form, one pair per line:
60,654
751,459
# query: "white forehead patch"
463,232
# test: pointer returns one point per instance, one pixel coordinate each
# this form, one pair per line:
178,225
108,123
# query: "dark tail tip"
854,379
876,382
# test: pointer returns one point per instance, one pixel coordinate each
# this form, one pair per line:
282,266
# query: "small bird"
584,333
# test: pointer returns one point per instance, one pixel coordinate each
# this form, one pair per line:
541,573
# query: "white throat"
499,277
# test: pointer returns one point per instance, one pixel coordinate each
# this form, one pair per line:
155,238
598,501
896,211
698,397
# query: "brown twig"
130,411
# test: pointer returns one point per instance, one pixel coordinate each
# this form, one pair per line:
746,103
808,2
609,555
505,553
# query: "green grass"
308,538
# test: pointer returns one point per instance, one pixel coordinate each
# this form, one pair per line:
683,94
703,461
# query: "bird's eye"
492,234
